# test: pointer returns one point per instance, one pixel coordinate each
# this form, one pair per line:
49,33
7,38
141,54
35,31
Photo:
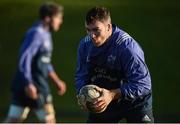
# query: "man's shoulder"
37,30
126,43
85,41
35,36
121,37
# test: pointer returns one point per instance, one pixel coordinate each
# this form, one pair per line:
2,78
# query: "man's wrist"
116,94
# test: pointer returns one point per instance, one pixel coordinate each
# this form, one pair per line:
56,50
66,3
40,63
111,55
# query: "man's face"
56,21
98,31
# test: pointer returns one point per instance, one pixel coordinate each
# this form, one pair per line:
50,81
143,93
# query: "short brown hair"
97,13
49,9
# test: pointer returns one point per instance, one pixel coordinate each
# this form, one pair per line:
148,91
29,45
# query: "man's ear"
47,19
109,26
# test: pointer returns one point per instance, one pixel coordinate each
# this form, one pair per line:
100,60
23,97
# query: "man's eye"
96,30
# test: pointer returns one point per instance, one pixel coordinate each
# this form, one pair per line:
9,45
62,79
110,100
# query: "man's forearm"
54,76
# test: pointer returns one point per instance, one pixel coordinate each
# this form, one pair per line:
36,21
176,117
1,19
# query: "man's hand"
81,104
31,91
59,83
61,87
107,96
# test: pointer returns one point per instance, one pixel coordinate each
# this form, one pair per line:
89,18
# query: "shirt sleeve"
137,81
27,55
81,70
50,68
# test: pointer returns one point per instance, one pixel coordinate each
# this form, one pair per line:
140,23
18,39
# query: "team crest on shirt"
111,59
87,59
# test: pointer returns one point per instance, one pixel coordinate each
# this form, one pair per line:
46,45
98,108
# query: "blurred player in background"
30,89
111,59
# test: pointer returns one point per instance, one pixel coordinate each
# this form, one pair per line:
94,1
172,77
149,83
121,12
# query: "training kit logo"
87,59
146,118
111,59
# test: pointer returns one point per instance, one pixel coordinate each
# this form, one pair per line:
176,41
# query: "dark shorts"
21,99
19,96
116,112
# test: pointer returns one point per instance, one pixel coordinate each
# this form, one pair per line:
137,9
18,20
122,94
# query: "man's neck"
45,26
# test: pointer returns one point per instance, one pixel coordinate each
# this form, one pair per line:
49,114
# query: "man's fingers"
99,104
98,88
83,106
62,89
34,95
61,92
31,91
96,100
100,107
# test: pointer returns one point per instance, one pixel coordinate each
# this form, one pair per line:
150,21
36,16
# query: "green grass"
154,24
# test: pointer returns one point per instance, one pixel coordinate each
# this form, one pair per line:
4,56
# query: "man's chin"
56,29
97,44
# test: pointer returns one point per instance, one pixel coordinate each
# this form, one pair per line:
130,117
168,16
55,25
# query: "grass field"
153,23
